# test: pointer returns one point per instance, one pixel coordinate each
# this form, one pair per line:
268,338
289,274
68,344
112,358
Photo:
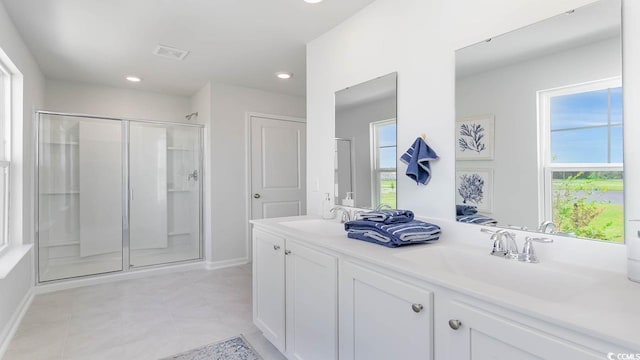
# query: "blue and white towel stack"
391,228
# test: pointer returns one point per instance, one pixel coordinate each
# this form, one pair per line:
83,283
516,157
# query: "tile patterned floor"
140,319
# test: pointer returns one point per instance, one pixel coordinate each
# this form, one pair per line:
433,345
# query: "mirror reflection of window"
583,167
554,92
365,133
384,162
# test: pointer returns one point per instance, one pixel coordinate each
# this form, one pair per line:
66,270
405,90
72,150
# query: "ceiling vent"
170,52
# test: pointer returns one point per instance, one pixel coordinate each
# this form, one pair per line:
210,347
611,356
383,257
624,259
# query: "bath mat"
236,348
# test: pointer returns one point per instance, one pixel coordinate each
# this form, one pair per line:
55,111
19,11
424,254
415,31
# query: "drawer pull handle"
455,324
276,247
287,252
417,307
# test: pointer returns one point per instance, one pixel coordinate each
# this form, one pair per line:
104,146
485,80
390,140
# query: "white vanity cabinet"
382,317
295,300
328,297
474,333
269,287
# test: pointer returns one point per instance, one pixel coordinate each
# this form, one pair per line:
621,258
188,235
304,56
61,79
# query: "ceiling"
240,42
370,91
588,24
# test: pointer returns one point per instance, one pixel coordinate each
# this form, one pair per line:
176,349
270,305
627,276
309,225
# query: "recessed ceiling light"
284,75
312,1
133,78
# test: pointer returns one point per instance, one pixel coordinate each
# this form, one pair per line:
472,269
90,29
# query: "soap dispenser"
348,201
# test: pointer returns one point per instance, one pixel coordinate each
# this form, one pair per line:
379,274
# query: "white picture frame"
478,188
475,138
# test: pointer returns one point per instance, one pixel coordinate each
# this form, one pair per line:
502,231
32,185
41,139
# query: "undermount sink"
535,280
317,226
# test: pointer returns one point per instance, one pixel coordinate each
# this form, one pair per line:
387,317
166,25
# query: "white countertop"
605,305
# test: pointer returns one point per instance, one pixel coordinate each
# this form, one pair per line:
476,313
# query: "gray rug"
236,348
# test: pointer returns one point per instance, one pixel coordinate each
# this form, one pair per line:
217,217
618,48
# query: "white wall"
417,38
74,97
16,285
510,94
354,123
230,105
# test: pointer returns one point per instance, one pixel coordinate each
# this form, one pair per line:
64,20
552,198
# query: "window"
384,162
582,164
5,131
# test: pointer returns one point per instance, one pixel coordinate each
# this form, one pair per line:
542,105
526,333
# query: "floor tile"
147,318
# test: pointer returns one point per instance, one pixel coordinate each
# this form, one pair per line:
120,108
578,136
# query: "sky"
387,137
572,144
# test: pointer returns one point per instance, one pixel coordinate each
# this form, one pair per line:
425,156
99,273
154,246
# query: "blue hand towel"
392,235
477,219
417,158
387,216
466,210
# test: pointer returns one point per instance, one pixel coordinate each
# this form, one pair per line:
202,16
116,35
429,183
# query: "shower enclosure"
115,194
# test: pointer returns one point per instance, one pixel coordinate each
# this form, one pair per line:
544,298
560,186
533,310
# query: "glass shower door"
165,193
79,196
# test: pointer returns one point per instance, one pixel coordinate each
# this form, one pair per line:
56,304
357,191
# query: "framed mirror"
365,144
539,126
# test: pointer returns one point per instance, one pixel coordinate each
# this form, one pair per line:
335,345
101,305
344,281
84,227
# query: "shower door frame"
126,240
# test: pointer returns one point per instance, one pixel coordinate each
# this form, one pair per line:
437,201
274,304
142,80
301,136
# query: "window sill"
10,257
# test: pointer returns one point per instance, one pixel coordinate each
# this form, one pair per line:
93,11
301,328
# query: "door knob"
287,252
455,324
256,196
417,307
276,247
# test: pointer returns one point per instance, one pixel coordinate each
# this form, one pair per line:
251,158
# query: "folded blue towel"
466,210
392,235
417,158
477,219
387,216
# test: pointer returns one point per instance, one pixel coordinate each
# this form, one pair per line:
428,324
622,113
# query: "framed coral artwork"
475,187
475,138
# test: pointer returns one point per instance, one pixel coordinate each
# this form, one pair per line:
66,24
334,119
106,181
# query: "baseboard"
213,265
10,329
107,278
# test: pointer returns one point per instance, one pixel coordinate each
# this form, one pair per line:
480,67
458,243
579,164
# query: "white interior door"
148,183
278,167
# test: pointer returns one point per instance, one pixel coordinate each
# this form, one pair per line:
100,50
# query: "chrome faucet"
345,215
502,248
547,227
508,248
528,255
356,214
383,206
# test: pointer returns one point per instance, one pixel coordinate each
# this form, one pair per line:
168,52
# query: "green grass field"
613,213
585,184
388,194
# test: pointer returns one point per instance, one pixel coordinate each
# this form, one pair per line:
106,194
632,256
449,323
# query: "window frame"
376,170
546,167
6,117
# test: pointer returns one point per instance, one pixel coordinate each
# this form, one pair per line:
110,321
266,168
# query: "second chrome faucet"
505,246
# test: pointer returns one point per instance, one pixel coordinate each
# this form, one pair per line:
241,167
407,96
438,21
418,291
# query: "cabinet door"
268,287
486,336
382,317
312,304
